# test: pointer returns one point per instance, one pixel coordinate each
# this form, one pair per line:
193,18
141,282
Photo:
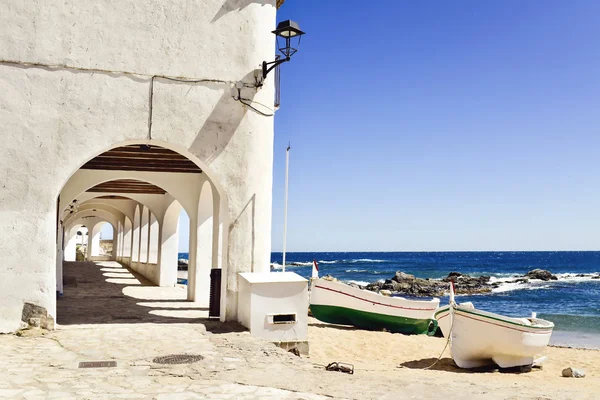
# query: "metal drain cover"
97,364
178,359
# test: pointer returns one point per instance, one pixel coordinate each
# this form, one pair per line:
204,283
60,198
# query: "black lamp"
286,32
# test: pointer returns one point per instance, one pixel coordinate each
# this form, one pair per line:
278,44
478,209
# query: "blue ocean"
572,302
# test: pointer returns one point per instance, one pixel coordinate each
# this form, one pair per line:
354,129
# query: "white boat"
338,303
480,338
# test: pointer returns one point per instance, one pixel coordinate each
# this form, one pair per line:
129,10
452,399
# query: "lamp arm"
265,65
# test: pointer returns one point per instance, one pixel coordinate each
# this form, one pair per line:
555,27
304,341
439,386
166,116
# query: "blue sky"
463,125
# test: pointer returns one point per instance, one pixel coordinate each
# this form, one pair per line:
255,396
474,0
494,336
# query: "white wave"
300,263
292,264
506,284
357,270
365,260
571,277
509,287
361,283
327,262
503,279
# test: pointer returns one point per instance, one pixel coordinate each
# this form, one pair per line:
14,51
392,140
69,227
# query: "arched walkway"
143,206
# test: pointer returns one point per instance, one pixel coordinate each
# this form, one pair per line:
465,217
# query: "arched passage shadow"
107,292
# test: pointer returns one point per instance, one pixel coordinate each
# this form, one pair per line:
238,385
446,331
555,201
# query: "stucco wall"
55,118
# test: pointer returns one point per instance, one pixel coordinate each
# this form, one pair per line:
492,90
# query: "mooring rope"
450,310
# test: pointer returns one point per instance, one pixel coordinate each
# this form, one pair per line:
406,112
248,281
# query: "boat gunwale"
433,302
495,317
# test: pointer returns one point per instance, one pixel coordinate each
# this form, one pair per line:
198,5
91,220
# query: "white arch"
71,239
206,169
135,236
94,240
144,235
200,262
184,187
153,240
114,211
169,239
187,190
127,241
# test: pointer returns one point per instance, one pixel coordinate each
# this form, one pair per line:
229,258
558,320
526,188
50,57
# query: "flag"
315,270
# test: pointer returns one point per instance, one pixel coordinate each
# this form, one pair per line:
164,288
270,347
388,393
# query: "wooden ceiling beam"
140,168
140,158
131,163
135,156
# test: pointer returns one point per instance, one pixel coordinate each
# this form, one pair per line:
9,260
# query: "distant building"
124,112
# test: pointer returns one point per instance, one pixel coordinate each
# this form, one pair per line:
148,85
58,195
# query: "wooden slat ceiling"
127,186
142,158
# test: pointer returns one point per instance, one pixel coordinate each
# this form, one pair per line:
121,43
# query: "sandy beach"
383,354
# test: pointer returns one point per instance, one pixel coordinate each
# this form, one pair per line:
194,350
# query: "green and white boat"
479,338
338,303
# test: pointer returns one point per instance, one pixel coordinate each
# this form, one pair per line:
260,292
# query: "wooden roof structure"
142,158
126,186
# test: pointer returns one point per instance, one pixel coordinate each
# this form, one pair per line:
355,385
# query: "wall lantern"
286,32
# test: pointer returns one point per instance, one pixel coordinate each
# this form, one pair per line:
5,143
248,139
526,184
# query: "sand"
380,355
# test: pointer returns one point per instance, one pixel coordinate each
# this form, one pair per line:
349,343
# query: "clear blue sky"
463,125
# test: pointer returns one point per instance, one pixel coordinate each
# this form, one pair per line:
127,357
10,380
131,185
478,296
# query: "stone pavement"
109,313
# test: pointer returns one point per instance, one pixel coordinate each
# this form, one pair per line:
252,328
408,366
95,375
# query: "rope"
446,345
429,367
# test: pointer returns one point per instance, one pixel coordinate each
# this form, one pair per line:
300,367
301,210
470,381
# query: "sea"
572,302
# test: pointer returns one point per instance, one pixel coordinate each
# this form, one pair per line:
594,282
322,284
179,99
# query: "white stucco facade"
75,81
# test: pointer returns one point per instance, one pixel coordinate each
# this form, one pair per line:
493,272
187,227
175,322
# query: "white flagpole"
287,167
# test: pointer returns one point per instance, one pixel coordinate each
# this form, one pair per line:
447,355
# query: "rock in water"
573,373
541,274
401,277
453,274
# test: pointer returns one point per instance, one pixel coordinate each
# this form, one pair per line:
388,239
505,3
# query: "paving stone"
96,323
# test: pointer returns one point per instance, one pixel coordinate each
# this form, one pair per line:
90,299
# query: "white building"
123,112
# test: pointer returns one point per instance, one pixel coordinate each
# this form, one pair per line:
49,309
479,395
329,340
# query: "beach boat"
480,338
338,303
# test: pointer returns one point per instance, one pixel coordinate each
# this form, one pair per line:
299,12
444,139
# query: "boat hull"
483,339
337,303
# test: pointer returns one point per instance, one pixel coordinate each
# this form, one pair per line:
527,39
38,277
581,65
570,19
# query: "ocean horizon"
568,301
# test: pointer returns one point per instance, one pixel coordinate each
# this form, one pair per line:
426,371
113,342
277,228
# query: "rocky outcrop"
403,283
541,274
